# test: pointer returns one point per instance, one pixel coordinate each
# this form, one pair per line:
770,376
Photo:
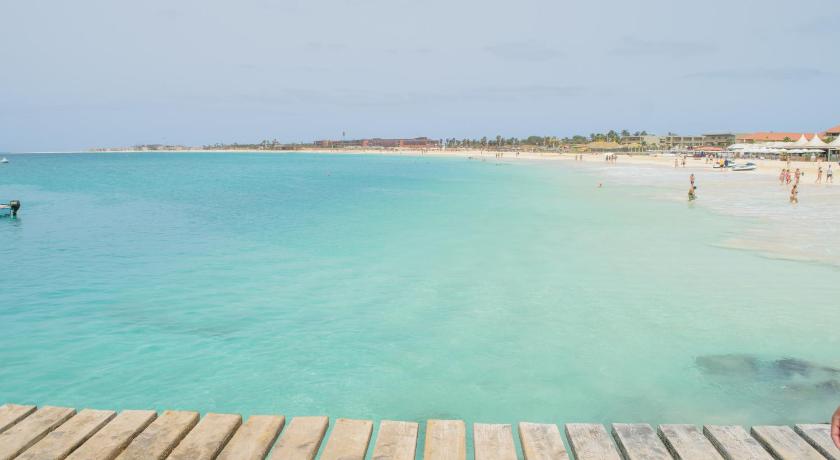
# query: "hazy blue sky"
76,74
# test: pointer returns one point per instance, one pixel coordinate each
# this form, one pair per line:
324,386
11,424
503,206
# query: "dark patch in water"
729,365
796,376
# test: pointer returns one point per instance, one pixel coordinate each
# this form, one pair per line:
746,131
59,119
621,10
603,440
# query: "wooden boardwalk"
51,433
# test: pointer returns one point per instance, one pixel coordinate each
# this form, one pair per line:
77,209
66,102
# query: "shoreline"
764,166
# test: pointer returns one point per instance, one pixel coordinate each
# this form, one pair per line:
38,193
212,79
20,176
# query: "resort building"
753,138
641,140
722,140
833,132
417,142
673,141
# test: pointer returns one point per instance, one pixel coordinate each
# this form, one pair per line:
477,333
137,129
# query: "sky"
90,73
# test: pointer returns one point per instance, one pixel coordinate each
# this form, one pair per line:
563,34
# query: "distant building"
722,140
833,132
417,142
672,141
641,140
752,138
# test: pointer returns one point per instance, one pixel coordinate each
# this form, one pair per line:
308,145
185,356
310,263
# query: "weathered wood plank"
784,444
638,441
32,429
591,442
109,441
493,442
819,436
254,439
445,440
206,440
686,442
542,442
734,443
70,435
13,413
396,441
301,439
161,436
348,440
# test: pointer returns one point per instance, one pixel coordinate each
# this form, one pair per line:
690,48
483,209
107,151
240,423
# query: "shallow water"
399,287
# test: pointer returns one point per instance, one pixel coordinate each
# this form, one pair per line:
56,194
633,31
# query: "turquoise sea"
399,288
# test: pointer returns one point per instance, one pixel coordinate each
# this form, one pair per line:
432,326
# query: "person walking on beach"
796,176
829,176
691,178
819,175
787,176
794,194
782,177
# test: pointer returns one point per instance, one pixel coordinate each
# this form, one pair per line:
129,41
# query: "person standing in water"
692,190
794,194
796,176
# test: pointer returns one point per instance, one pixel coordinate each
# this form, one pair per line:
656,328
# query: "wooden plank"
493,442
70,435
784,444
32,429
734,443
396,441
590,442
109,441
819,437
638,441
686,442
541,442
161,436
445,440
348,440
253,440
301,439
207,439
13,413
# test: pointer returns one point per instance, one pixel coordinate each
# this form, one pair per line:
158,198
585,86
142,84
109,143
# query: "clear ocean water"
399,288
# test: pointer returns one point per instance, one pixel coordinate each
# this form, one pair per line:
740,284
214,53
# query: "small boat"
4,160
744,167
10,209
